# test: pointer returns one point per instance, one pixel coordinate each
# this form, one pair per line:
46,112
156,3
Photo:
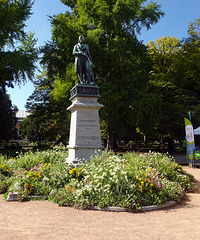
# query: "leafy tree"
13,16
17,55
17,60
175,79
48,119
7,117
163,53
194,30
189,76
110,29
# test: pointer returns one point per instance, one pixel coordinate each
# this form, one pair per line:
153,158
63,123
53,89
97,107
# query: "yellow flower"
142,182
139,179
140,186
151,184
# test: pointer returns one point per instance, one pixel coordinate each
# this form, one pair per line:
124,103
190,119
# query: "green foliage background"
145,90
17,57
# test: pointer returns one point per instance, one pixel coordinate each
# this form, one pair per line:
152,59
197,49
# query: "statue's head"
81,39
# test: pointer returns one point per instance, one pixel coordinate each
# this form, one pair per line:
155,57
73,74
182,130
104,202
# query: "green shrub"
129,181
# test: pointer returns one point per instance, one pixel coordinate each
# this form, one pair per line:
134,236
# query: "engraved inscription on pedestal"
88,132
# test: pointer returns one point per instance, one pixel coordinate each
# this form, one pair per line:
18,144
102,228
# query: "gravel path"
42,220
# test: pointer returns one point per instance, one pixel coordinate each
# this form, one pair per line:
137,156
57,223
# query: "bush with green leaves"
129,181
34,173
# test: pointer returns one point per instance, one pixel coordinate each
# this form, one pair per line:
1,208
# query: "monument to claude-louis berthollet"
85,138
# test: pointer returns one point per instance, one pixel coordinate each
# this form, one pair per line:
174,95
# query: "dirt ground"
42,220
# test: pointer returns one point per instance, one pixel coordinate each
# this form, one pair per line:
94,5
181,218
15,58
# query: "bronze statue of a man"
83,62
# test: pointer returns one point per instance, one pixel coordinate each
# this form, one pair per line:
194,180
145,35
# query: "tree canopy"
146,89
175,79
110,29
49,119
17,49
17,53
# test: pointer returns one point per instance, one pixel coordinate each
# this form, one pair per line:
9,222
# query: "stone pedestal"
85,138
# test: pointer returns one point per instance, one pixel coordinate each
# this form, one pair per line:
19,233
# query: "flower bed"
130,181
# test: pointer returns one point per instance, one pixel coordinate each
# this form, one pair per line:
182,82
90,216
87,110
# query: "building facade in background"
20,115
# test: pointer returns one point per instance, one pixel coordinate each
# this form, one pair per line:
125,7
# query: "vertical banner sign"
189,139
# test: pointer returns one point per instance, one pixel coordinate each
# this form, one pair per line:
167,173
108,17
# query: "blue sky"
178,14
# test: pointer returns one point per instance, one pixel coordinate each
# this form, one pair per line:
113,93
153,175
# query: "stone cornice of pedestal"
84,90
84,102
